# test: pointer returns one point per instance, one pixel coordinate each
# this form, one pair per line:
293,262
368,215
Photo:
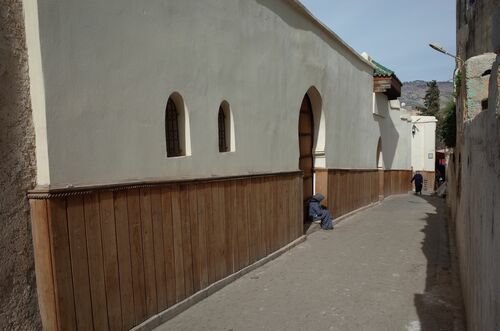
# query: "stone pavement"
386,268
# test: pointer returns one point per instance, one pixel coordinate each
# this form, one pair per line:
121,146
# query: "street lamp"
441,49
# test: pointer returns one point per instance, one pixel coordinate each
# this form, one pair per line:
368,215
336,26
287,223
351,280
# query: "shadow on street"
440,306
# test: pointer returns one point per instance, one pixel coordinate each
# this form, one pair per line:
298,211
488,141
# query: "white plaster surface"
109,67
423,143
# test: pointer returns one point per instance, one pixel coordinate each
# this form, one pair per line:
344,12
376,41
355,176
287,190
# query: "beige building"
176,143
423,149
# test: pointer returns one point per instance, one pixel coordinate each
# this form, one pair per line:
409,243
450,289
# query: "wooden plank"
300,221
124,262
159,252
148,252
136,255
110,257
234,226
210,233
203,196
168,241
186,241
228,228
95,260
261,248
61,264
43,264
79,263
253,239
218,228
266,215
285,216
180,289
245,224
195,236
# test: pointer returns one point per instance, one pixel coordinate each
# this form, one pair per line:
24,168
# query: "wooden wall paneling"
253,226
203,220
285,216
234,225
110,258
280,219
322,184
148,251
229,202
180,288
276,212
242,225
61,264
136,255
95,261
293,210
335,197
344,192
79,263
43,262
266,215
218,228
124,262
168,242
195,235
159,251
186,240
221,235
210,233
298,205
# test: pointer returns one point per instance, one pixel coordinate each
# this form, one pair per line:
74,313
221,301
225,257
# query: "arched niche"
183,128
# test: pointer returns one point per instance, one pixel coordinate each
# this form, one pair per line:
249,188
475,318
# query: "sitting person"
319,212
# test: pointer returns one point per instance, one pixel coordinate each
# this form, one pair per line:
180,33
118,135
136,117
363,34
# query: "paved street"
386,268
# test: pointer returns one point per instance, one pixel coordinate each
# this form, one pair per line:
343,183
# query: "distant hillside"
412,93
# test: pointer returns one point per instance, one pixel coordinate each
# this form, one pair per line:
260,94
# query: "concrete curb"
178,308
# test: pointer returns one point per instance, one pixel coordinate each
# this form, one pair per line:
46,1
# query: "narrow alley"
386,268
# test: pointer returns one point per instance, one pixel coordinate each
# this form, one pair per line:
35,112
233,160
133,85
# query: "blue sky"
395,33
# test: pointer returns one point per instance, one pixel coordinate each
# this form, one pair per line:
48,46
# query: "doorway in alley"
306,161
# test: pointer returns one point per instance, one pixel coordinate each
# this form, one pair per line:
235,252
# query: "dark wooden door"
306,137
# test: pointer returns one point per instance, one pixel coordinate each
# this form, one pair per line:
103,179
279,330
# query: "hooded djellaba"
319,212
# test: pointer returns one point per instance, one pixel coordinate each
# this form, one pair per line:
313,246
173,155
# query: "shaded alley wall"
474,169
18,300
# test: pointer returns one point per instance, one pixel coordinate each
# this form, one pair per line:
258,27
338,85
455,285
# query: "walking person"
419,181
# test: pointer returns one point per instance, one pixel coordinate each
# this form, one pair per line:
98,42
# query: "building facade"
177,143
423,149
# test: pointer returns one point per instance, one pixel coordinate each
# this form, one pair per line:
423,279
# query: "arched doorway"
306,143
380,168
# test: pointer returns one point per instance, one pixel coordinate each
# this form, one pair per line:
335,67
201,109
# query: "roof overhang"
389,85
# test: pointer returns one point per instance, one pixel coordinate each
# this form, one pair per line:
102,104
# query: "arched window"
222,131
172,129
225,128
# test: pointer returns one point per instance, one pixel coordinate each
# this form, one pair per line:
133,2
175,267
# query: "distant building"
423,149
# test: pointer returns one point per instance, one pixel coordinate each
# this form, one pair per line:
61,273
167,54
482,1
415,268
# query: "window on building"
172,129
222,131
225,128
